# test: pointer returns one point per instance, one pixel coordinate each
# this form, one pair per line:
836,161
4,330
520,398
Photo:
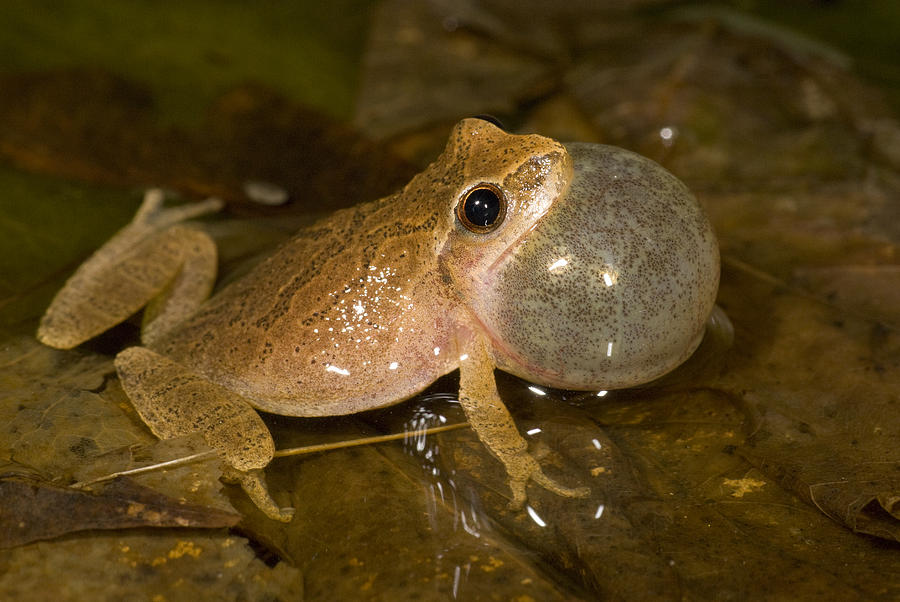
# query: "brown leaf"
141,565
862,497
35,509
821,388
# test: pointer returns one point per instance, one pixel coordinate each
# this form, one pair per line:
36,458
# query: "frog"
576,266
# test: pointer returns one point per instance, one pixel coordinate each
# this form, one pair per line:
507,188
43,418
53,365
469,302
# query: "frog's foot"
151,215
522,468
254,485
152,260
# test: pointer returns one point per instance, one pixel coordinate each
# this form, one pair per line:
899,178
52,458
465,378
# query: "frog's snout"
613,286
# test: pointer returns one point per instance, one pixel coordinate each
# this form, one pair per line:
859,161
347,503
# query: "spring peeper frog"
577,266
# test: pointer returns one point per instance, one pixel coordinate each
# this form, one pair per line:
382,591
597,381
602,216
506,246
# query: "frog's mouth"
611,287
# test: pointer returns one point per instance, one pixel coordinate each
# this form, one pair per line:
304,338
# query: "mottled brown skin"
371,305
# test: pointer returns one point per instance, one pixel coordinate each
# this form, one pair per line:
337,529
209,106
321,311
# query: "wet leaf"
612,524
53,418
720,523
194,482
63,418
864,290
35,509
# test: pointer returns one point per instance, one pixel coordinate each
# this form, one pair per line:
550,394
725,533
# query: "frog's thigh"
177,264
175,401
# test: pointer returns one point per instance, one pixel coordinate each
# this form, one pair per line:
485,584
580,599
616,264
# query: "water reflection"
552,422
442,496
668,135
442,488
535,516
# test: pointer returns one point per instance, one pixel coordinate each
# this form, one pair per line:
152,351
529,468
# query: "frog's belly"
317,376
333,389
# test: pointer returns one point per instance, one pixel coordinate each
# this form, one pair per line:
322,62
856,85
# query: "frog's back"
348,315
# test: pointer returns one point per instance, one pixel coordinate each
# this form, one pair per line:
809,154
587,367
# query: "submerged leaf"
53,417
368,526
61,416
606,540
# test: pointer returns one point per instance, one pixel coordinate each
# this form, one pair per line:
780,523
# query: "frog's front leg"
152,261
491,421
174,401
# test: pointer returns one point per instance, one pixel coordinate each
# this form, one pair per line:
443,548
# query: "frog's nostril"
490,119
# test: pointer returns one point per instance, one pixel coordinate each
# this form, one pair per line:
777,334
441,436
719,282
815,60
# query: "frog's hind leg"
151,259
189,287
174,401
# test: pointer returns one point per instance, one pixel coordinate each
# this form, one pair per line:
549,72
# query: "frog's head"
586,266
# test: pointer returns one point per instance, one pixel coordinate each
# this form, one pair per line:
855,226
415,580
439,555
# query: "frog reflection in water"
577,266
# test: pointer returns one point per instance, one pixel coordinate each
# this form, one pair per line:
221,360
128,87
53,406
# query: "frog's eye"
482,208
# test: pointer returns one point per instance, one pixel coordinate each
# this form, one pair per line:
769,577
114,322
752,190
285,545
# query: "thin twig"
291,451
311,449
200,457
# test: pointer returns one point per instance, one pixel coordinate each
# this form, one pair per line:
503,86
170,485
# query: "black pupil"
482,207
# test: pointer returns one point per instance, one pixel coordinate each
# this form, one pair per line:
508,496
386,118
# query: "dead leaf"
606,540
35,509
402,513
820,387
53,417
61,416
864,290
